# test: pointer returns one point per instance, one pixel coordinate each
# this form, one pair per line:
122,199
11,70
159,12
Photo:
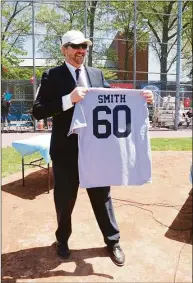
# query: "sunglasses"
77,46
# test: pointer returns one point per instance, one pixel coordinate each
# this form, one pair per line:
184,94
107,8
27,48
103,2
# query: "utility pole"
85,25
85,18
178,69
134,43
34,63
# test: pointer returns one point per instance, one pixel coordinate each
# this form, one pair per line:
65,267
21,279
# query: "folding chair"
25,121
12,122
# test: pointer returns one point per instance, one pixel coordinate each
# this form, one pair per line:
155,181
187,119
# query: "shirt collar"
83,73
72,68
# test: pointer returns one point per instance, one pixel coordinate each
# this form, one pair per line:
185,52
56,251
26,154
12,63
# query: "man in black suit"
58,93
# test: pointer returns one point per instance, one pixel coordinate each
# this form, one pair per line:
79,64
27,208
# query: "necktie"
77,71
79,80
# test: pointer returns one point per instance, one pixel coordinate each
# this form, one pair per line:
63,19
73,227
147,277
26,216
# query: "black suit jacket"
56,83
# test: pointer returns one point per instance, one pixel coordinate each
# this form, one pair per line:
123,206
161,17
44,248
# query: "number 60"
107,124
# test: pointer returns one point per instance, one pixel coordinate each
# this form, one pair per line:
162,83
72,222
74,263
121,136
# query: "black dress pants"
65,193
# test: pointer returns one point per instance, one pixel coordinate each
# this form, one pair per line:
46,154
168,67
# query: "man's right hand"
78,94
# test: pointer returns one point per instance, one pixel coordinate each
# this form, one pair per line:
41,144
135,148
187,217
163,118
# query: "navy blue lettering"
103,122
116,111
100,98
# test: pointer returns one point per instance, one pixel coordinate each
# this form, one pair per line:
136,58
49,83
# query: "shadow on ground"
36,183
181,228
40,262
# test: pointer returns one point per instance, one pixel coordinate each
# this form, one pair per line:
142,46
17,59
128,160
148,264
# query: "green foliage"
39,71
16,24
104,18
162,20
123,22
111,55
56,20
187,38
108,74
23,73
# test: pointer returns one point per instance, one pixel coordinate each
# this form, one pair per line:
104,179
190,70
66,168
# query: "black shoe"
62,250
117,255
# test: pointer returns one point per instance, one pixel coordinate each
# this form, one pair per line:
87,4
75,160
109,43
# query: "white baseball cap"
76,37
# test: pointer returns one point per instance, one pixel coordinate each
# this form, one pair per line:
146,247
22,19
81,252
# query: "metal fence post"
178,69
85,26
134,43
34,64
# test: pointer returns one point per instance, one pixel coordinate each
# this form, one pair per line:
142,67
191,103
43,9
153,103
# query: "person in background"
182,106
168,102
45,123
57,95
188,117
181,114
3,112
5,107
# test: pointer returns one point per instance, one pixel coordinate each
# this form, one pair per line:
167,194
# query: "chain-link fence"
22,94
131,43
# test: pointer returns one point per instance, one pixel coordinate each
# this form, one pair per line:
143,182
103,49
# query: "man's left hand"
148,96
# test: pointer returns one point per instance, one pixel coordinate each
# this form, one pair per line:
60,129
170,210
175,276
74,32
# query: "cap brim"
78,41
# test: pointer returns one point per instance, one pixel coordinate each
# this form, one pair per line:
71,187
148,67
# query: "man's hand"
148,95
78,94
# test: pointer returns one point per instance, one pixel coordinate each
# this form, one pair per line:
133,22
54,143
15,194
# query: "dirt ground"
155,221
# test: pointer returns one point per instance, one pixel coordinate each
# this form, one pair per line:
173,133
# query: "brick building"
126,68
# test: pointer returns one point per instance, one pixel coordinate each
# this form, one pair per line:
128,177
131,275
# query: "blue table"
41,144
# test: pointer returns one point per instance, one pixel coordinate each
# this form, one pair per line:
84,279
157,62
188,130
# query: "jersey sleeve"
78,119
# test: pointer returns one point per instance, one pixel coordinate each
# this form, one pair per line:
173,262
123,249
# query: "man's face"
75,56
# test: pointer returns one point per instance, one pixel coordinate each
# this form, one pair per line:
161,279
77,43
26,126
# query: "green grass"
178,144
11,160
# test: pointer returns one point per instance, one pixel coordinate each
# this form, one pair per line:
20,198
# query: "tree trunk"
126,61
164,54
191,72
163,63
91,28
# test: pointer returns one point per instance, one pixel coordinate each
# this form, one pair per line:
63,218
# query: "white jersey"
113,140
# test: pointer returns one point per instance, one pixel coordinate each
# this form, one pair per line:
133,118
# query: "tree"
91,11
59,18
108,74
187,39
123,23
162,19
15,26
56,19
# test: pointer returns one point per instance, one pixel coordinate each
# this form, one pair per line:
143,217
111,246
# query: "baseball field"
155,221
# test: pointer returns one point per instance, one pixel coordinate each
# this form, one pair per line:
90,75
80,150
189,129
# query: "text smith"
111,98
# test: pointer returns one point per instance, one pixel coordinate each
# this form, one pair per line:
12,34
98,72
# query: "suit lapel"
69,78
67,72
90,76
